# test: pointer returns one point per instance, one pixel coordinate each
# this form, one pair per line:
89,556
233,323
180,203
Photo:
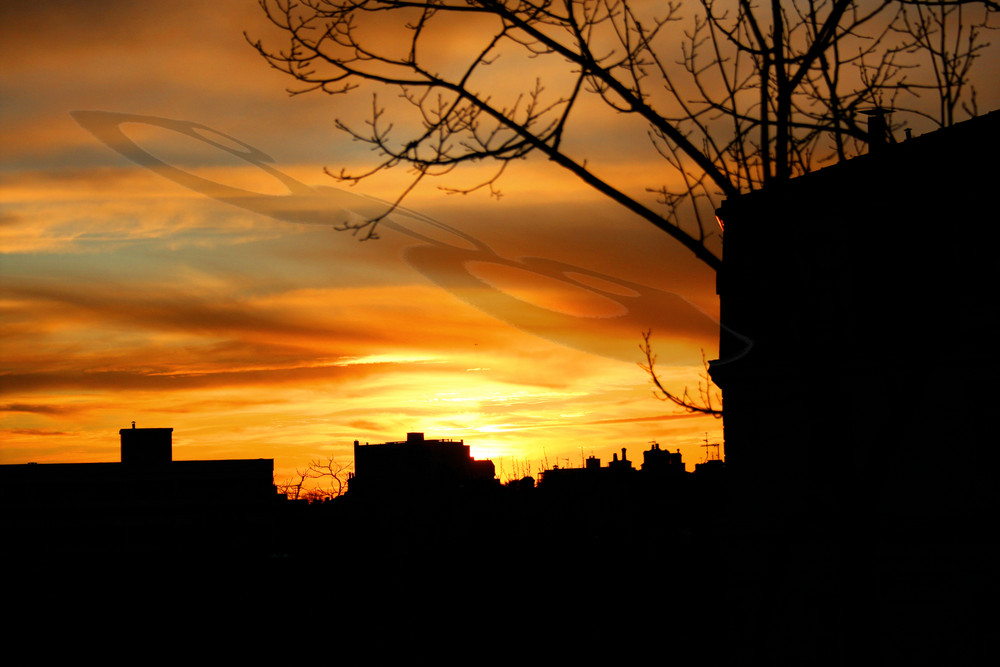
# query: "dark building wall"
856,359
147,476
174,484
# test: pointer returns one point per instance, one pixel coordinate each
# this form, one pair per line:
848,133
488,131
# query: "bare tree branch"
332,481
755,94
734,97
709,400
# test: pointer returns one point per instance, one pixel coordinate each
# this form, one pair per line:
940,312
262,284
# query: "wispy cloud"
42,432
40,409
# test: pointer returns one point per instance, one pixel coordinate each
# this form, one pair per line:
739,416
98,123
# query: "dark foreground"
695,580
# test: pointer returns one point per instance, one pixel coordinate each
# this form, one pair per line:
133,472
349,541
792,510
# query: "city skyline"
514,322
131,297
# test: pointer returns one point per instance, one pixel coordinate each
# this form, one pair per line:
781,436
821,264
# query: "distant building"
662,463
592,478
146,476
858,311
417,467
659,466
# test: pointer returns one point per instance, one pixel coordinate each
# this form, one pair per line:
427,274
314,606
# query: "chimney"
878,129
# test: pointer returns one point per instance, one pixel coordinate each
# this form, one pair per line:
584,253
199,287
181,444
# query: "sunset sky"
131,291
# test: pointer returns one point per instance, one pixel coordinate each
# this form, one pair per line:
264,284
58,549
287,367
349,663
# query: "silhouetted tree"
331,481
519,468
733,96
947,42
291,488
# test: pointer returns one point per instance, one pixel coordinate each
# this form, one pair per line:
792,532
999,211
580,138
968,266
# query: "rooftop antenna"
707,454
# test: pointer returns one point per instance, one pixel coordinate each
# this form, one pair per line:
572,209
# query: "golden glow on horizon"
387,359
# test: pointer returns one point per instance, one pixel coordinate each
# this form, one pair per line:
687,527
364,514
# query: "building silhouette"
146,476
859,378
417,467
657,462
858,306
659,467
147,504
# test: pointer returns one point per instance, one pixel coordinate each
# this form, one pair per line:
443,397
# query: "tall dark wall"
858,305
